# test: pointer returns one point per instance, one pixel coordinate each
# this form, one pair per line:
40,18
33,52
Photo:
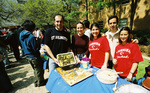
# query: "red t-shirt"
97,48
4,32
126,55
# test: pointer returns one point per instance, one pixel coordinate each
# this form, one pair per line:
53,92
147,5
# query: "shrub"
142,36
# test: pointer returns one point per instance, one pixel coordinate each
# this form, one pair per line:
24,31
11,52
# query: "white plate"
131,88
108,76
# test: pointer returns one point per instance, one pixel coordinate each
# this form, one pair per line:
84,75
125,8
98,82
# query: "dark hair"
12,29
91,36
59,15
86,23
111,17
80,23
129,32
29,25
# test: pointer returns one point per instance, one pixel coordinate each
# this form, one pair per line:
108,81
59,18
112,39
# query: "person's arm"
77,59
106,60
49,52
135,41
132,71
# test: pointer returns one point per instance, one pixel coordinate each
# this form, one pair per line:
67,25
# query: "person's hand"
55,60
129,77
104,35
135,41
78,60
84,56
114,61
104,67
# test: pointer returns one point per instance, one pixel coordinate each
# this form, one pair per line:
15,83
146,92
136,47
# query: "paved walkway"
22,77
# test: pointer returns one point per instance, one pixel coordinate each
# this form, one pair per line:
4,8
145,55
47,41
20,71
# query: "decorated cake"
76,76
62,71
107,76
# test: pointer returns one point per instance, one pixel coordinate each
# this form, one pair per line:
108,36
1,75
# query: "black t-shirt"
58,41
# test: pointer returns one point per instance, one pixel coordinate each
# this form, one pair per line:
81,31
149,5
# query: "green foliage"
103,4
9,11
141,68
41,11
84,14
100,4
142,36
72,15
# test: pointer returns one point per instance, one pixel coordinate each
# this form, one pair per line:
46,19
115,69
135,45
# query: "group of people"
114,48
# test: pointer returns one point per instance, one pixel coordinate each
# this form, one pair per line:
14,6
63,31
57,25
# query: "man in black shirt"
56,40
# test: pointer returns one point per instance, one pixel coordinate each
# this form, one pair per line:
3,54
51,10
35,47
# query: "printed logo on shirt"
59,38
123,53
94,46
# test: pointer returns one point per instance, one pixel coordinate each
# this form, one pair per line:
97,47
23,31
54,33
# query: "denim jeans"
52,65
80,56
4,52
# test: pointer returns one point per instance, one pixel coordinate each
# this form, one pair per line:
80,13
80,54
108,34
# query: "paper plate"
108,76
131,88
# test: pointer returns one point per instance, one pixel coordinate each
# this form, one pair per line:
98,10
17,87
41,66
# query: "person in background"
98,47
80,42
127,56
5,83
112,35
31,50
87,31
56,40
13,42
3,50
18,31
37,34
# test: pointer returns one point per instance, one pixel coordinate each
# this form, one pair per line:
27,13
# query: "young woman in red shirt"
127,56
98,48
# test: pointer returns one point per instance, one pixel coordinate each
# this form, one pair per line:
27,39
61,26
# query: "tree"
8,11
133,8
71,12
41,11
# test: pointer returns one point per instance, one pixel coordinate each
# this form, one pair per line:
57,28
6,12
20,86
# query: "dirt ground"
21,76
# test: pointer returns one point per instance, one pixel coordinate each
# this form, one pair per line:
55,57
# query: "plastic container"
85,63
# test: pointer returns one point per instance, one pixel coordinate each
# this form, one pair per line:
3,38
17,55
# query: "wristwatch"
131,72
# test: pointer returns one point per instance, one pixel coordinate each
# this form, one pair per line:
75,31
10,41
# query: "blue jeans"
80,56
4,52
52,65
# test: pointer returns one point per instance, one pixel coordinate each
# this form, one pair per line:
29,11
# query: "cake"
76,76
62,71
107,76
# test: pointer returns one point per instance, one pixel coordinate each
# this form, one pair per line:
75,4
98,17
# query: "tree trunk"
86,10
133,9
114,7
